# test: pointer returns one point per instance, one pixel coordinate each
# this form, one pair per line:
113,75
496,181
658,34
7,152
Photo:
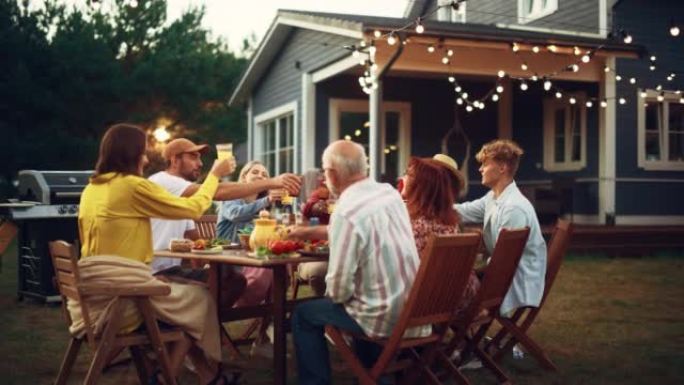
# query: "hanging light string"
368,50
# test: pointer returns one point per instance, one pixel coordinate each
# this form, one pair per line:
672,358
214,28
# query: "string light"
674,29
523,85
535,49
552,48
523,66
419,27
681,100
586,58
458,89
606,69
445,60
618,78
495,97
452,79
515,47
534,78
660,97
501,73
643,94
377,34
464,95
576,51
547,85
659,87
574,68
604,103
391,40
622,100
626,37
653,58
459,101
632,80
558,95
652,67
589,104
431,48
469,108
573,100
481,106
499,89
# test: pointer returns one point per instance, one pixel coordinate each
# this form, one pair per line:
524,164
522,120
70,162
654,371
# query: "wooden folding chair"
108,340
433,300
472,325
206,226
515,328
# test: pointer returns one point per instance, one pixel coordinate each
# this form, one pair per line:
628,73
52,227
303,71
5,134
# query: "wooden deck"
624,240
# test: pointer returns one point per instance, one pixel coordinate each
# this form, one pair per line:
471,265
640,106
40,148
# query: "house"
590,89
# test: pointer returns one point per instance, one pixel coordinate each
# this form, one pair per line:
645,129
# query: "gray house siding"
304,51
649,26
572,15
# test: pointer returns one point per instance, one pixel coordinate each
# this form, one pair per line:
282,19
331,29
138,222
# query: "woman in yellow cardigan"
114,219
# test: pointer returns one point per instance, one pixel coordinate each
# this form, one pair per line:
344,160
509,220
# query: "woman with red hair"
430,190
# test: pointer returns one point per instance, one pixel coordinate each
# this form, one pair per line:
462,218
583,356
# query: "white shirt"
373,257
164,230
512,210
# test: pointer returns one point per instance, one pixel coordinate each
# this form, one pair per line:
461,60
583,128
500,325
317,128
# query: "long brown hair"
430,193
121,149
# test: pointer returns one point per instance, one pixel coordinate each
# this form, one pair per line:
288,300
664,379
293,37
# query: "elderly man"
184,165
373,262
504,206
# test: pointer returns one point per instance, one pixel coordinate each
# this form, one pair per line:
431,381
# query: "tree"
69,73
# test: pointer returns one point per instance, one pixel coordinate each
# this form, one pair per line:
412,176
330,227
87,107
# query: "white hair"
347,162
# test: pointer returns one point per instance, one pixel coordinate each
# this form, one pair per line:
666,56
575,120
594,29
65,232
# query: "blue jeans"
308,330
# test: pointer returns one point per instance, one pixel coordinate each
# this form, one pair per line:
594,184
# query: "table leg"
279,335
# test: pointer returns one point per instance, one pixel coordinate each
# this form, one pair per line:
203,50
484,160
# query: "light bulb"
377,34
495,97
515,47
523,86
618,78
445,60
481,106
458,88
534,78
589,104
464,95
452,79
535,49
523,67
459,101
573,100
674,30
604,103
419,27
450,52
501,73
627,39
643,94
653,58
499,89
547,85
576,51
606,69
652,68
622,100
391,40
575,68
552,48
558,95
469,108
586,59
431,48
632,80
660,97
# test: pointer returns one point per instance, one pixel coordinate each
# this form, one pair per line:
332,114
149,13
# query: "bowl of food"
180,245
243,235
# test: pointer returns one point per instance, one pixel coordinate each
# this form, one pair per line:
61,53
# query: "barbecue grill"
47,210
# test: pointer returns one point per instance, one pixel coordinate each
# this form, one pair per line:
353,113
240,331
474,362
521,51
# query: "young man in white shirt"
184,165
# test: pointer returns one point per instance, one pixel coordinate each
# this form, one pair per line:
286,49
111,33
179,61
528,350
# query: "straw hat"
451,164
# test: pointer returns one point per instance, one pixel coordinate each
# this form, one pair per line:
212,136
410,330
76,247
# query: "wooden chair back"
206,226
499,273
558,246
441,279
65,263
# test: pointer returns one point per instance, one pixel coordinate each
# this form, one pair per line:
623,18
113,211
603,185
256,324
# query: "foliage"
69,73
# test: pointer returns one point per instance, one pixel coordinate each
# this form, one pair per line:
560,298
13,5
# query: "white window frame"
337,106
275,114
550,107
538,10
460,15
664,164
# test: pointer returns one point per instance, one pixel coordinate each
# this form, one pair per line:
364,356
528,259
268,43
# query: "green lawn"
608,321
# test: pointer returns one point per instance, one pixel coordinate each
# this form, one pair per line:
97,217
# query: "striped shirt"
373,257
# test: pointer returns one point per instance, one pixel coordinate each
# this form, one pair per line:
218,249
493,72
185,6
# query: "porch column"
308,127
607,128
374,140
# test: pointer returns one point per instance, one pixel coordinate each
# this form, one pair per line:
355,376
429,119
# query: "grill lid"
52,187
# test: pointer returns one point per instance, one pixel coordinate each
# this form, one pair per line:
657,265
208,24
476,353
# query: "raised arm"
232,190
240,211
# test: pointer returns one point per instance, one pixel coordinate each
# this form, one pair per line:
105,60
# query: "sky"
237,19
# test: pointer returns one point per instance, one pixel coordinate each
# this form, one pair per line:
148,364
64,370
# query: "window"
448,13
275,139
661,131
349,119
530,10
565,134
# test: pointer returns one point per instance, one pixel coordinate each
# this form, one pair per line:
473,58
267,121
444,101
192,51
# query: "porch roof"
358,26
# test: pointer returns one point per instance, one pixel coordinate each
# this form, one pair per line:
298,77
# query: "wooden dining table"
277,308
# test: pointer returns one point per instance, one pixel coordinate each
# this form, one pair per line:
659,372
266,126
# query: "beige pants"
314,273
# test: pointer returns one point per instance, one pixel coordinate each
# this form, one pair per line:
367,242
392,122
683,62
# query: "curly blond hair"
503,151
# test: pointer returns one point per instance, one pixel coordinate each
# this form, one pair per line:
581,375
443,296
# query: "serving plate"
207,251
